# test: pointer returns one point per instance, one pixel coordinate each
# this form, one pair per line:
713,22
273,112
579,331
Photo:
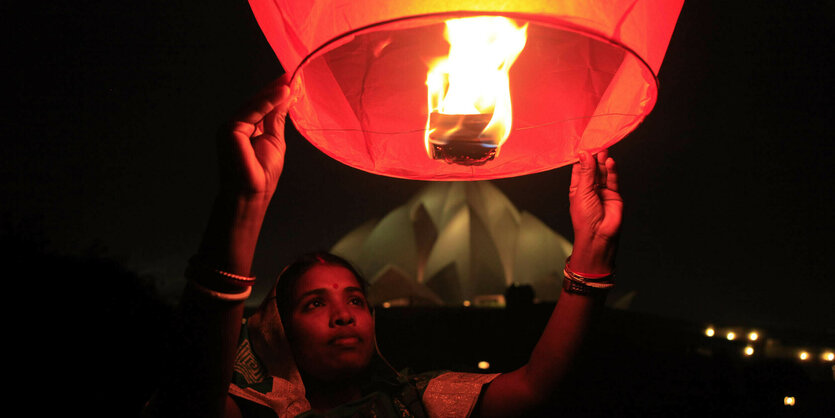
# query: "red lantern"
364,73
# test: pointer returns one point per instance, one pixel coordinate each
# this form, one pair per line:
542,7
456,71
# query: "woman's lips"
348,341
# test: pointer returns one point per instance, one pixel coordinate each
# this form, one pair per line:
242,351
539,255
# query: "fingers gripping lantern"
378,83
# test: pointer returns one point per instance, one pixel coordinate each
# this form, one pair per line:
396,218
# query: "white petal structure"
455,241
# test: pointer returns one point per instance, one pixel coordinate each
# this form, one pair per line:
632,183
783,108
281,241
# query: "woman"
328,361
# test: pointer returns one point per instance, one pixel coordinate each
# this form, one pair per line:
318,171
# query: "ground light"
710,332
789,401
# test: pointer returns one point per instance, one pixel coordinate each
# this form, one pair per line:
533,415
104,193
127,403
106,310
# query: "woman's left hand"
596,210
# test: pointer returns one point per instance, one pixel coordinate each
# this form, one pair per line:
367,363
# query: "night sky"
110,150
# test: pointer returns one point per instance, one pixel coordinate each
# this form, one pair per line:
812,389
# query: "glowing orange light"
586,79
483,365
710,332
828,356
467,303
788,401
468,92
731,336
387,304
753,336
804,355
749,351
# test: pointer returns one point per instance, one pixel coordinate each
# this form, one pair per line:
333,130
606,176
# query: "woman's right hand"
251,147
251,155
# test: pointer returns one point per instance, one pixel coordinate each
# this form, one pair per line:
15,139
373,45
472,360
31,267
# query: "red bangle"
590,276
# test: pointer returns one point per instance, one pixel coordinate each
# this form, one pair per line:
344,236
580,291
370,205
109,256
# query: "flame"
473,78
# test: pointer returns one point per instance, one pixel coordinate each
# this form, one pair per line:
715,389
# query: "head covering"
265,371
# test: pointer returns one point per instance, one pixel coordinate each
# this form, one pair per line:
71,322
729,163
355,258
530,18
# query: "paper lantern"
362,72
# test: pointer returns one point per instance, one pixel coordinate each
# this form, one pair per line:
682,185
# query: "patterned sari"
266,382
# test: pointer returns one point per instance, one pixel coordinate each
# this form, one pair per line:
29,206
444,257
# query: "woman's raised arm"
596,208
251,156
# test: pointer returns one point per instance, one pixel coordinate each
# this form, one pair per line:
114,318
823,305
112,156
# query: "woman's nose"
342,316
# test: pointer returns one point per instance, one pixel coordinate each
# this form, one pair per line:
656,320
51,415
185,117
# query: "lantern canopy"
585,79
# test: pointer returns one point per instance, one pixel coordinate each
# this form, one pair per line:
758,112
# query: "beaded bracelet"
218,283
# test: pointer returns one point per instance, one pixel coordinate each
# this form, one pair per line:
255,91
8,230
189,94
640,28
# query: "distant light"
749,350
483,365
387,304
710,332
466,303
828,356
753,336
731,336
804,355
788,401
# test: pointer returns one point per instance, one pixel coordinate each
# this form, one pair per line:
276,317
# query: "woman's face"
331,328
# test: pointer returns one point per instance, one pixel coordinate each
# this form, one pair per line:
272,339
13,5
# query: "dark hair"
289,277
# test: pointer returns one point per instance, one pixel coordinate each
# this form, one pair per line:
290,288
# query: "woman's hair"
289,277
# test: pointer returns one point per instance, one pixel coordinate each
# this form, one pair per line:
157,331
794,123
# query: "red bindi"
335,286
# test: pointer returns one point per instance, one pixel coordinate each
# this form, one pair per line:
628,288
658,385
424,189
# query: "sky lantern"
467,90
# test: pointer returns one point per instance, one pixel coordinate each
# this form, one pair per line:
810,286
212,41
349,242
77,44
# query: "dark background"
727,183
108,155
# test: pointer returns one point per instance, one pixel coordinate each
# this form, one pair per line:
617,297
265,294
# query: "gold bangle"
586,284
228,297
580,288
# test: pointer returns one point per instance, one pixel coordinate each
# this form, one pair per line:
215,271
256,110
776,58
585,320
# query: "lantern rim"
551,21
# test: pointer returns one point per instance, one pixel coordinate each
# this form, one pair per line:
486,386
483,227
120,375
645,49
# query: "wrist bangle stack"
585,283
216,283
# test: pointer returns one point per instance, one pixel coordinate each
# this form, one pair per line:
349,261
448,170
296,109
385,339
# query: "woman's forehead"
326,276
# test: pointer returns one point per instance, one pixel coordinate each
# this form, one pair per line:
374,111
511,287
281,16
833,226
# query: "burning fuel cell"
457,139
470,113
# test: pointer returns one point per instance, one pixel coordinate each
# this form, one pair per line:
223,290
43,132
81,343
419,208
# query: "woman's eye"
315,303
357,301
